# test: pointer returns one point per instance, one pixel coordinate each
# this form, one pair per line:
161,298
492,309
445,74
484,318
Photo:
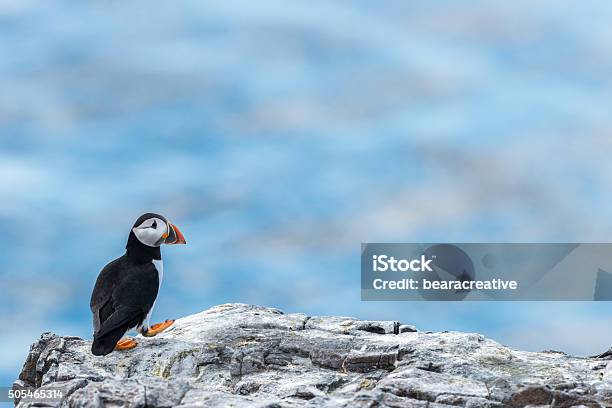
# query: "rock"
249,356
407,328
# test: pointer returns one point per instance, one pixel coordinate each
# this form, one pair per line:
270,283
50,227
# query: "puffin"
126,289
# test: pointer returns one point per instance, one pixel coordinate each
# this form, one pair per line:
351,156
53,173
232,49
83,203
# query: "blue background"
280,136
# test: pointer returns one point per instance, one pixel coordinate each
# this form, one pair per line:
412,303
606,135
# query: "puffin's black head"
154,230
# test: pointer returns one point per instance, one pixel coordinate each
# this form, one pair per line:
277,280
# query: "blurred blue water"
279,137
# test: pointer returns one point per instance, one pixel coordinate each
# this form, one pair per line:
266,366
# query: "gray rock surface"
238,355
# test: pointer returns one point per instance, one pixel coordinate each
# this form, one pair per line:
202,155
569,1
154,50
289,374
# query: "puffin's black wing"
123,295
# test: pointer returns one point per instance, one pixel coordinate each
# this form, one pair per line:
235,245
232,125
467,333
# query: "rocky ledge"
238,355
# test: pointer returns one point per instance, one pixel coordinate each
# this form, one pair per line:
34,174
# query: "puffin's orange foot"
126,344
158,328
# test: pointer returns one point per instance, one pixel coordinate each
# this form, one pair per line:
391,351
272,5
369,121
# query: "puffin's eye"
154,225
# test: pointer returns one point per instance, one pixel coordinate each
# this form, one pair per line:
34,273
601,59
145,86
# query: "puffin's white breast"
159,265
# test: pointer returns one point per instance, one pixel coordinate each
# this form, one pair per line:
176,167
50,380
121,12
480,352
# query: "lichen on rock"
238,355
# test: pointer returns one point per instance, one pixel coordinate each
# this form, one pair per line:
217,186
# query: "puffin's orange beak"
174,236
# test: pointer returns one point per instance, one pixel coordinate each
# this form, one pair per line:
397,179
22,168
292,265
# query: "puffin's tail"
105,344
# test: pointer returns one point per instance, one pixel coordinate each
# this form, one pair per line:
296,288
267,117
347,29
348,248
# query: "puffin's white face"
152,232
